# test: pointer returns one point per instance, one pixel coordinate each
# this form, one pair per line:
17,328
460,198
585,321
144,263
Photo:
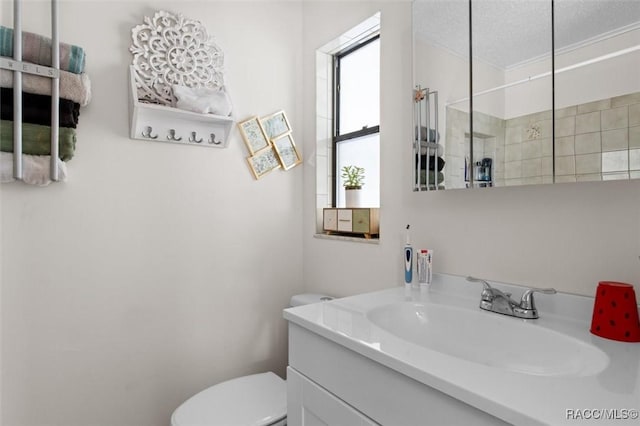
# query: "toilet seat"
255,400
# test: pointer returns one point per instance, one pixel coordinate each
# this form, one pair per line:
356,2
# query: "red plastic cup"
615,312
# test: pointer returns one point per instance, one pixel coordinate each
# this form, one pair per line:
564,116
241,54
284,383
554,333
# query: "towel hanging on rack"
434,162
36,109
430,136
36,139
37,50
74,87
35,169
432,176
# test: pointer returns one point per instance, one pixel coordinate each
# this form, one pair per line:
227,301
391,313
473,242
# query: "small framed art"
263,161
275,125
253,135
287,151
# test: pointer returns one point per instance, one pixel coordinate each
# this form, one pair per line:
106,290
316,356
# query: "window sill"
372,240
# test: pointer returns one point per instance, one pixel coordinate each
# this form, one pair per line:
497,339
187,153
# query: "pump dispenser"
408,260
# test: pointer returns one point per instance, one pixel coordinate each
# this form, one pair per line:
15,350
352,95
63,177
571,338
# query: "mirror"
530,126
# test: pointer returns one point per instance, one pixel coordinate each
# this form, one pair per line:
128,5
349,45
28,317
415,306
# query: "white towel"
75,87
35,169
203,100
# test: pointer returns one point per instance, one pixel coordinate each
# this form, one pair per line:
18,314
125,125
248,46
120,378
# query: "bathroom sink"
490,339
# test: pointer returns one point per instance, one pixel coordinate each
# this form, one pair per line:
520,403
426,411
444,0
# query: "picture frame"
253,135
263,162
275,125
287,152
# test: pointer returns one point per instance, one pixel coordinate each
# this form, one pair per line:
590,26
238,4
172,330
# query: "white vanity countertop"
515,397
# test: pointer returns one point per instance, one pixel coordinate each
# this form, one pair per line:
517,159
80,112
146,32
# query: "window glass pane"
361,152
360,88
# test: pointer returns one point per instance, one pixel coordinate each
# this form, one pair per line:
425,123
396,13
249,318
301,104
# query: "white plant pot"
352,197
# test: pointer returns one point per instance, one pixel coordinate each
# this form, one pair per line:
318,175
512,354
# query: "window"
356,118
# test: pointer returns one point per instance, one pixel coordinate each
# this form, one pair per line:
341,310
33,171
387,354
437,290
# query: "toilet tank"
308,298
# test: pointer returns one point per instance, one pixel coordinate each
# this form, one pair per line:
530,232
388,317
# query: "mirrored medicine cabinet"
521,92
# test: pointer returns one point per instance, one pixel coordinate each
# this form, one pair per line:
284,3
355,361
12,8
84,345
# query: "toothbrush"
408,260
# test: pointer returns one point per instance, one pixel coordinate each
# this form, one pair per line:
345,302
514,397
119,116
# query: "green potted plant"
353,180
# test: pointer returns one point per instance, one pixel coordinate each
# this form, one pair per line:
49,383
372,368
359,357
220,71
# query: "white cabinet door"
310,405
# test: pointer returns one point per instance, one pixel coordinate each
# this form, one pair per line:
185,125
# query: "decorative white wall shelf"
169,49
161,123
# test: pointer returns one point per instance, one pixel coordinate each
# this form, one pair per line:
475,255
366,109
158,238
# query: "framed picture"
287,151
253,135
275,125
263,161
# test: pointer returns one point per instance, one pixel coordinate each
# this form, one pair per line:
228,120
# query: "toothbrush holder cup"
615,312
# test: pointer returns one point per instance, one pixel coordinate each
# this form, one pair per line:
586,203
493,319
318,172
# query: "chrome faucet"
495,300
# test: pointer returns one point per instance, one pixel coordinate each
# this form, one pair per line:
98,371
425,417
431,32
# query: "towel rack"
425,110
18,67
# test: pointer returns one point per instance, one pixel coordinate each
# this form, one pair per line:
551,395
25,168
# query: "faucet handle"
485,285
489,292
527,301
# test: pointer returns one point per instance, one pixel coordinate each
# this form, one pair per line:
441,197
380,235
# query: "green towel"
432,176
36,139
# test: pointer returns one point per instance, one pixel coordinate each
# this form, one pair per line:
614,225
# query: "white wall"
567,236
337,267
157,269
160,269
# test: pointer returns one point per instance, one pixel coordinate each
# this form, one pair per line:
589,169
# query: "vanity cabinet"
335,385
308,404
363,221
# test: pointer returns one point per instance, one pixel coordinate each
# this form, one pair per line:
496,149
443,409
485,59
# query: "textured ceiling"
509,32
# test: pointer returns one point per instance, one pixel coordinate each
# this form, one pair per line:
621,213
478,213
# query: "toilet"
254,400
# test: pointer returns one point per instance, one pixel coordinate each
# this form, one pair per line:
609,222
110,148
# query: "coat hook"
147,133
172,135
194,139
213,140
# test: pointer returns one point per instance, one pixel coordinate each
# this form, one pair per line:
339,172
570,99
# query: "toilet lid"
255,400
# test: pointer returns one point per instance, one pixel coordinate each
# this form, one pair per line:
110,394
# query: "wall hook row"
172,135
146,133
193,138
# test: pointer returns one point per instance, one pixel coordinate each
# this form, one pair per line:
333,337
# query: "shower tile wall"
594,141
489,141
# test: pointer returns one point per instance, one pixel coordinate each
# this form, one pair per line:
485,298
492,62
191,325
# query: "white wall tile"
615,118
588,163
531,149
634,159
587,123
565,165
532,168
634,115
587,143
565,126
513,135
565,146
594,106
615,161
613,140
634,137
